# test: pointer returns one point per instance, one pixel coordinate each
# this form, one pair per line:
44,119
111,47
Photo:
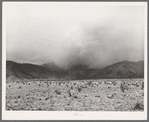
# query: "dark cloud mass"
74,34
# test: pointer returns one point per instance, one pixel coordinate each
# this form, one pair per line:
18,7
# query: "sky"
73,33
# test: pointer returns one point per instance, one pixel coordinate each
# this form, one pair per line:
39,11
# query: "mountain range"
124,69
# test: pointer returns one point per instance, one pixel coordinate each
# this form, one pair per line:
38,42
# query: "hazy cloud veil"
69,34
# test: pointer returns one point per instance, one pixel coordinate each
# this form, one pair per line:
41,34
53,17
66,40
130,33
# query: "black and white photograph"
74,60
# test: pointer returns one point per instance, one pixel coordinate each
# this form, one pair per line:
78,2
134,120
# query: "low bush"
142,87
79,89
69,93
57,92
89,83
123,87
138,106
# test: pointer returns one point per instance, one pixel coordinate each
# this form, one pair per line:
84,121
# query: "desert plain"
77,95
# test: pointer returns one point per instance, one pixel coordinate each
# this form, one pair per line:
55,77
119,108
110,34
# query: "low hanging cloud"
74,34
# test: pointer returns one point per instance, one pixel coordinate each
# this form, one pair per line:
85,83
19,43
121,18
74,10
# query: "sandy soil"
82,95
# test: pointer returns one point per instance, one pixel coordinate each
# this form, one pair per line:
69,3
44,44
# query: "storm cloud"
73,33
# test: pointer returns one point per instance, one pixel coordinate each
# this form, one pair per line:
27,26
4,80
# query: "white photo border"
69,115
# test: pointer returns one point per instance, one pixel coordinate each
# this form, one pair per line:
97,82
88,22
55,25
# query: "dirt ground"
81,95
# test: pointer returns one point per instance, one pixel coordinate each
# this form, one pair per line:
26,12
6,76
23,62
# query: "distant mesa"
124,69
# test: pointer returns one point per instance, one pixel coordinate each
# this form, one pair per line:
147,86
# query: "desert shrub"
111,96
142,87
143,94
46,98
138,106
69,93
79,89
57,92
105,82
137,85
51,109
71,87
89,83
75,97
39,109
122,87
114,83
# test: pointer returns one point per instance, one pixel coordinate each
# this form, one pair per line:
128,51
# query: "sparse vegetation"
142,87
114,83
58,92
122,87
69,93
79,89
138,106
76,94
89,83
